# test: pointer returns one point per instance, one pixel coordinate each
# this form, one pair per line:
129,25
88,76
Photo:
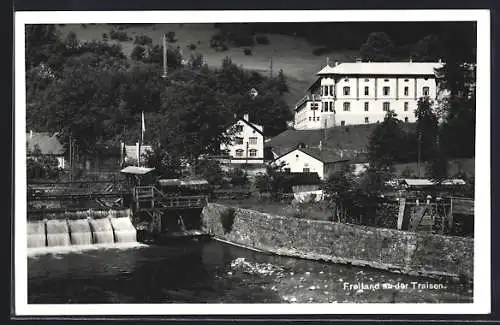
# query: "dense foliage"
88,91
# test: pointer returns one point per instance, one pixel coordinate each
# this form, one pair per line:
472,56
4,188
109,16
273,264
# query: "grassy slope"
292,55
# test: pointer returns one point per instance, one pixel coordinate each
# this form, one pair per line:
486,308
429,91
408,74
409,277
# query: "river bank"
416,254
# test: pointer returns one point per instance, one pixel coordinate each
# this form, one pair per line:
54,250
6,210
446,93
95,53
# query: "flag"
143,128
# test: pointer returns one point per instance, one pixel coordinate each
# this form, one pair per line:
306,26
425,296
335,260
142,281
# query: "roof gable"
323,156
253,126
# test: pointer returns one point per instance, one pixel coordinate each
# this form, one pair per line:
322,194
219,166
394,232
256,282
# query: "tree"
165,164
459,127
211,171
273,181
43,45
427,128
155,56
137,53
196,60
386,142
238,177
282,83
437,167
83,104
428,49
377,47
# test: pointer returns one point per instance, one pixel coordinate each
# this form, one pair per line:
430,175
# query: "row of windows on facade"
240,152
342,123
386,91
251,140
328,106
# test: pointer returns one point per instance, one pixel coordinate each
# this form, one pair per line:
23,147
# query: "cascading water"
124,230
102,230
116,228
36,234
80,232
57,233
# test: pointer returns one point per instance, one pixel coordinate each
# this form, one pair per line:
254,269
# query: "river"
214,272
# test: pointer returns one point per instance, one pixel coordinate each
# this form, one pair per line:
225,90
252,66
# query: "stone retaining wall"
389,249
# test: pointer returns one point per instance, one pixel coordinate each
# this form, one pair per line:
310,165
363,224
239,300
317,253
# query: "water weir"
63,233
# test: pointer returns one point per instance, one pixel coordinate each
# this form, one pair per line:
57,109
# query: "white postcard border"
482,244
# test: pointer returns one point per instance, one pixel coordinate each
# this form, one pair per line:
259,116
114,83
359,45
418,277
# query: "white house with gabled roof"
247,145
362,93
311,160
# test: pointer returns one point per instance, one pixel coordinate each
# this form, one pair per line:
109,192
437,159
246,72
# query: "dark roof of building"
297,179
350,137
325,156
251,125
47,143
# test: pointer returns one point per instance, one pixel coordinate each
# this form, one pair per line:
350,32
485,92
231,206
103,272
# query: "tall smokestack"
165,69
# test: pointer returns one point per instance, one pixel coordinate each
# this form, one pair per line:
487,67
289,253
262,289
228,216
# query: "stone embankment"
394,250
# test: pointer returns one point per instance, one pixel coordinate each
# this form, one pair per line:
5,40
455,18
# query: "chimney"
31,134
320,145
327,61
336,63
439,61
411,60
341,154
245,117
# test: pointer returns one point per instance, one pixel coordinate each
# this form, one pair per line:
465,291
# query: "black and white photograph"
319,162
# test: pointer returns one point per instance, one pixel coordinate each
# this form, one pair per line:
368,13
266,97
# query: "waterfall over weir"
102,230
80,232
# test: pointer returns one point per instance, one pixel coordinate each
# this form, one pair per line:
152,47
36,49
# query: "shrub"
191,46
170,36
138,53
247,51
321,50
196,60
238,177
262,39
119,36
227,219
219,42
408,172
143,40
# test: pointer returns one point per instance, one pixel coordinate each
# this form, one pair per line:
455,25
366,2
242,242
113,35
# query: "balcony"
307,98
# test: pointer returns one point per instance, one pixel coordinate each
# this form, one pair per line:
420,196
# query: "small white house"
311,160
247,145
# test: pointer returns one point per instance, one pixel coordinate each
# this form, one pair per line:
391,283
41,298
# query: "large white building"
363,92
247,145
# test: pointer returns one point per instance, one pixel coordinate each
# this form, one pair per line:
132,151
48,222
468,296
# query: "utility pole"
418,153
271,66
324,136
165,68
70,158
